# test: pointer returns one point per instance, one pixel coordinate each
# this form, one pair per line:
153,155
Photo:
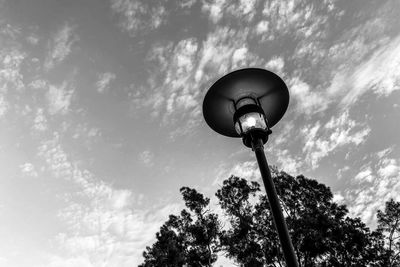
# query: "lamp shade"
267,88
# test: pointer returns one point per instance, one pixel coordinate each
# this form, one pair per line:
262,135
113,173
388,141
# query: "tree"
322,232
170,248
191,238
389,226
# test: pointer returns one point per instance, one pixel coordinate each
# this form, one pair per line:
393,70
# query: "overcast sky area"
101,120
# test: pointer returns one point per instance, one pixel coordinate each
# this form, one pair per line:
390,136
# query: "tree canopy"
322,232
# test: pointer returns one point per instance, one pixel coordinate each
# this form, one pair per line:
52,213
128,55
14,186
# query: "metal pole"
279,220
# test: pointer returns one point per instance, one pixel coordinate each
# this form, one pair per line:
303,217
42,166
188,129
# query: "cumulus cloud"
60,46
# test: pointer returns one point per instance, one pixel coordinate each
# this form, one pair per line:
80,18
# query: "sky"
101,120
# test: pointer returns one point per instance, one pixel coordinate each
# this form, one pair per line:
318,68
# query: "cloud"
55,158
365,175
338,198
40,121
383,184
56,261
60,46
377,74
287,163
336,133
10,69
39,84
389,168
3,106
182,72
247,170
174,91
99,224
216,54
275,64
307,101
104,80
244,10
59,98
28,169
33,39
147,157
297,16
215,9
139,16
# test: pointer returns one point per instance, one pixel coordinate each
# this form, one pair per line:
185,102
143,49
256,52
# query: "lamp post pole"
256,100
279,220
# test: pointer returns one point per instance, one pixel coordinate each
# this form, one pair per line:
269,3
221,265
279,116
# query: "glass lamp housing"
249,121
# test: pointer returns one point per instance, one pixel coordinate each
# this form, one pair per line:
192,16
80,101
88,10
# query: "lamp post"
246,103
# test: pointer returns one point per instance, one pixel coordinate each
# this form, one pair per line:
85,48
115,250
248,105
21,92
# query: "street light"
246,103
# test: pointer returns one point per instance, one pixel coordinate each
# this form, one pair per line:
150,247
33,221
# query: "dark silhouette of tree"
322,232
170,248
191,238
389,227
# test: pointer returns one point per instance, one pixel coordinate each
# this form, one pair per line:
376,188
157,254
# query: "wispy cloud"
28,169
40,121
244,10
10,69
3,106
365,175
100,223
138,16
104,80
382,184
185,69
247,170
59,98
336,133
308,101
377,74
287,162
60,46
147,157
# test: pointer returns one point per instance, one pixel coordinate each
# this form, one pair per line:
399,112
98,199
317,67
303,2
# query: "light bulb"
252,120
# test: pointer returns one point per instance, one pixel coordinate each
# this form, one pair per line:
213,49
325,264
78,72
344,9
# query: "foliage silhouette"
322,232
389,227
191,238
